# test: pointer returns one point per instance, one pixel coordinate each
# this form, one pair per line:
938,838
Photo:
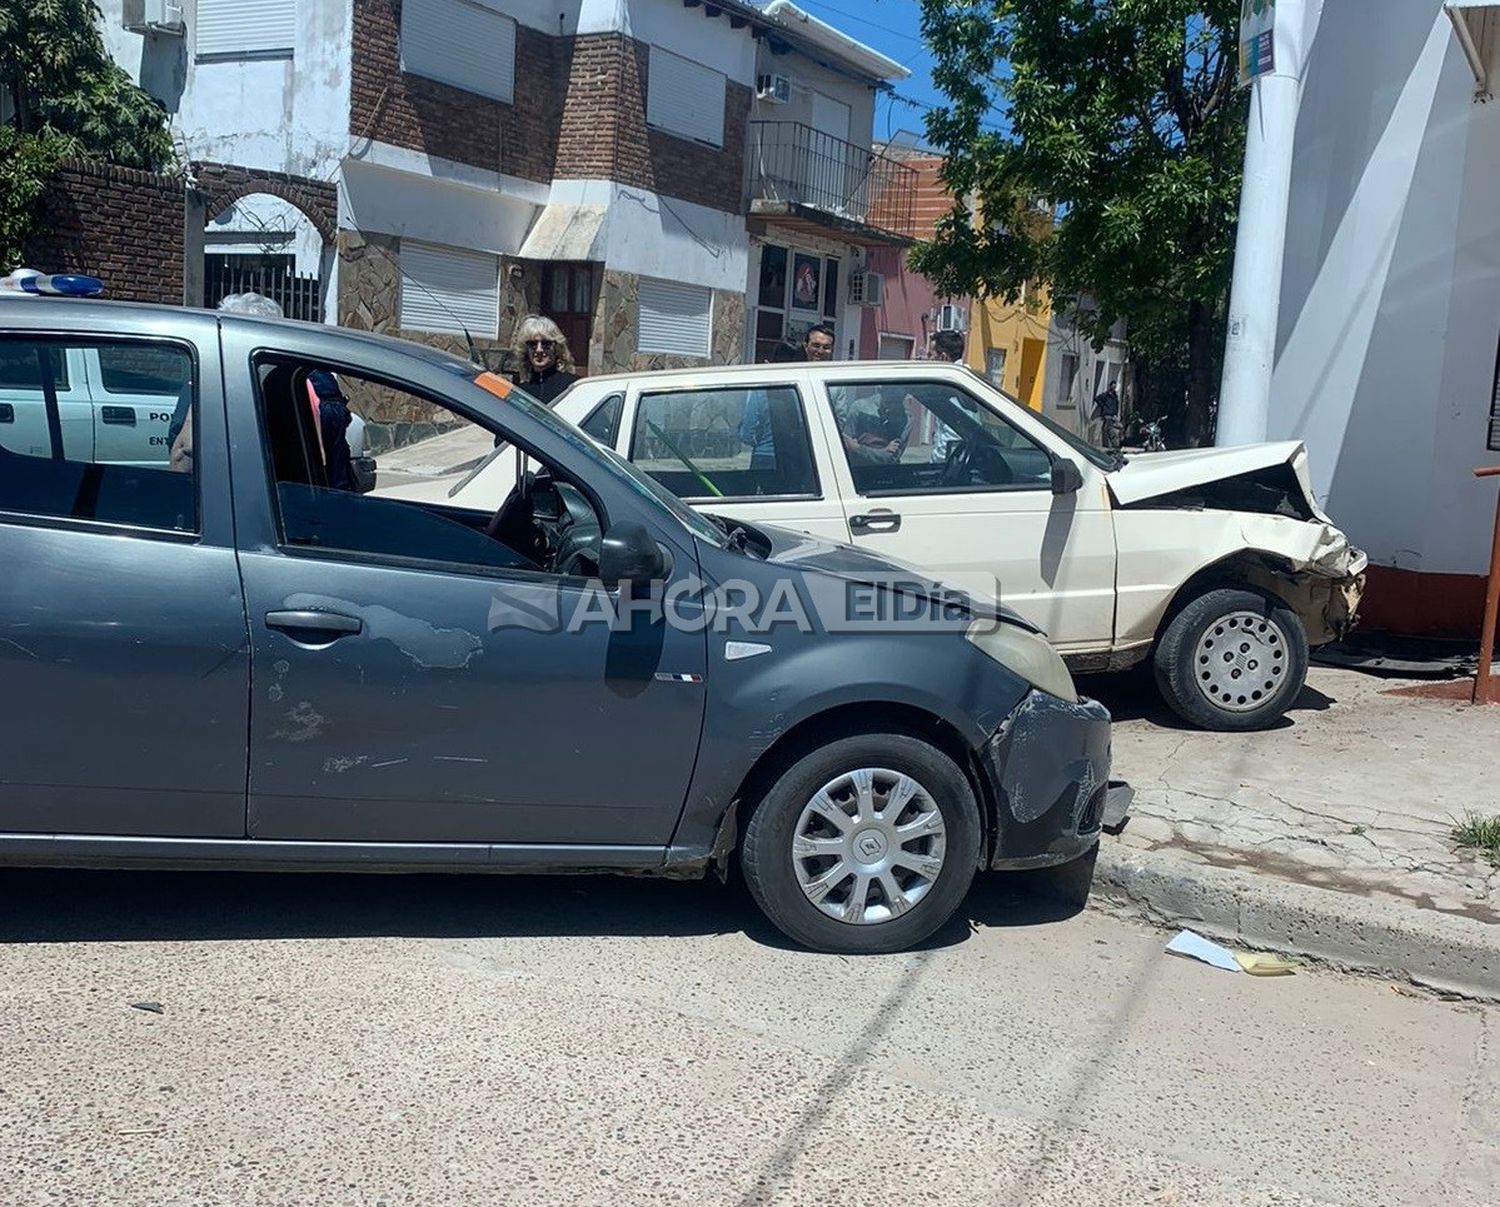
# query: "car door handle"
124,416
7,413
875,521
312,621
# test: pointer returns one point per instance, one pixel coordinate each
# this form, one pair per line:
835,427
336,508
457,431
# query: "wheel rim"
1242,660
869,846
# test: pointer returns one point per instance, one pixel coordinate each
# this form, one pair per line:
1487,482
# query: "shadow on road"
1132,696
57,906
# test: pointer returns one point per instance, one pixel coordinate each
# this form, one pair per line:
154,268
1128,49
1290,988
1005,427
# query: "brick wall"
116,223
605,136
579,113
390,106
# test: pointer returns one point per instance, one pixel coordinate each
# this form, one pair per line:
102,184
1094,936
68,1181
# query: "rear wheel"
865,845
1232,659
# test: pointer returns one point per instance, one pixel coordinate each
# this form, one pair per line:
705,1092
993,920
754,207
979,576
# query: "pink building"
909,313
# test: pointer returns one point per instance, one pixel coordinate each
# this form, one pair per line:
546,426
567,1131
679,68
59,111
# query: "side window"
306,414
71,452
915,437
603,422
736,444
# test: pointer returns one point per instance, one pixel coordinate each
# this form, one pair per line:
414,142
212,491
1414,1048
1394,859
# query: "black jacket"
547,386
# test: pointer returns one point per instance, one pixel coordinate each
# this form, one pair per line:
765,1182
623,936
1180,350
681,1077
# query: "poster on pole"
1257,39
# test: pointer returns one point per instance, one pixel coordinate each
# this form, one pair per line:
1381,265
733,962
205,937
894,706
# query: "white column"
1255,296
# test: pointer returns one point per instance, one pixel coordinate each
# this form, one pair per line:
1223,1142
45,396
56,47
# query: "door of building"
568,300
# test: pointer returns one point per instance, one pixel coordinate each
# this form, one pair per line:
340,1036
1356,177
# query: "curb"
1446,952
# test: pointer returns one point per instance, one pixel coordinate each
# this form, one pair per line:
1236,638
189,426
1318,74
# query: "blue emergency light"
64,285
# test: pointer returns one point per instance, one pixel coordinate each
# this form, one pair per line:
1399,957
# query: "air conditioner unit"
949,317
153,17
866,288
774,89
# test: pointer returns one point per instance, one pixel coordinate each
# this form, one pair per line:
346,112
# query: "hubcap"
1241,661
868,846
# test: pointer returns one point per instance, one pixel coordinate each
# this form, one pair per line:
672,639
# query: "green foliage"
1124,117
63,97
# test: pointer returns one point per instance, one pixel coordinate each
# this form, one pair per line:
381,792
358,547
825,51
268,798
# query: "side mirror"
630,554
1067,478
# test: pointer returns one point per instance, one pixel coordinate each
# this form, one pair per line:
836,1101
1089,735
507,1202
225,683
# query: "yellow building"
1007,343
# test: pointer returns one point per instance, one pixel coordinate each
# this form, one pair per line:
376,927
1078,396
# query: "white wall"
1391,296
436,209
808,76
288,114
252,219
675,240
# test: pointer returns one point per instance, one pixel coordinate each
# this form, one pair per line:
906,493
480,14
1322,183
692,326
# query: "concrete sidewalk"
1328,835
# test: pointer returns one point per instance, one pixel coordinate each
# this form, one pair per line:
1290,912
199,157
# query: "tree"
1123,117
61,97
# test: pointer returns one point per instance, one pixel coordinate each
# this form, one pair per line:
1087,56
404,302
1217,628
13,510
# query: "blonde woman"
546,365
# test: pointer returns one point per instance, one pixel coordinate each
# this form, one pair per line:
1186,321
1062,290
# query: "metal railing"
793,162
300,297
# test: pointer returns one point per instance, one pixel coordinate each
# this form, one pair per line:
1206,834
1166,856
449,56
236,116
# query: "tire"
830,775
1246,634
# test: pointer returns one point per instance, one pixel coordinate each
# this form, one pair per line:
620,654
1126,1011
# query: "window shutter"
450,290
241,27
467,45
675,318
684,98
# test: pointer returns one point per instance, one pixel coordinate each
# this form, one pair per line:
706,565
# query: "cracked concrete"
1357,791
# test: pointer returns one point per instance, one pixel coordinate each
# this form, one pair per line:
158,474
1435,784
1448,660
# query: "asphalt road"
362,1040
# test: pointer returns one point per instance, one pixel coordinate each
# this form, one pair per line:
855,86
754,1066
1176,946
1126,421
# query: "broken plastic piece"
1264,963
150,1007
1195,947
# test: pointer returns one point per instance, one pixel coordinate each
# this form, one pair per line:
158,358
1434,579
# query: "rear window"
21,370
127,369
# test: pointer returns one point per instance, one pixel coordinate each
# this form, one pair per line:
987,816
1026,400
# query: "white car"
115,405
1216,563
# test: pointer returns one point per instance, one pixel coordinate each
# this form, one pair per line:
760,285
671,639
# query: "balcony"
806,180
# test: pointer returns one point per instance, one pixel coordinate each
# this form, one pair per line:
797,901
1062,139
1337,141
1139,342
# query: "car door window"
135,406
547,524
603,422
726,443
50,461
920,437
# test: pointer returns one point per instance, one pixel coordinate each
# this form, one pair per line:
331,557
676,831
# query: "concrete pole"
1255,296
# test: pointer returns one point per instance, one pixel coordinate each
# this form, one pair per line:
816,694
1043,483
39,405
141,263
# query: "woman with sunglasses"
545,364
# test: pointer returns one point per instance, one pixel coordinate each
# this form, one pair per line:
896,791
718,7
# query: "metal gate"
299,296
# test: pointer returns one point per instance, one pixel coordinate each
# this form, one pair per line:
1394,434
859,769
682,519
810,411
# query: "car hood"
803,551
1148,475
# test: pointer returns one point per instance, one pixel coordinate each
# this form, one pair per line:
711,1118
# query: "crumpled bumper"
1048,772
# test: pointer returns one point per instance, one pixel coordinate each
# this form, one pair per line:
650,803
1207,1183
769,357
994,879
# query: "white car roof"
729,374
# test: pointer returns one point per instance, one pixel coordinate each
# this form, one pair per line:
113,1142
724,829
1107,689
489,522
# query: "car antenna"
462,326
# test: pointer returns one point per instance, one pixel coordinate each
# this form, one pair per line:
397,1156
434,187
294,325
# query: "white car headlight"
1028,654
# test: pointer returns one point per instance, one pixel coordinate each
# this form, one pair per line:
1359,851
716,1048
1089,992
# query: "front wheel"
864,846
1232,660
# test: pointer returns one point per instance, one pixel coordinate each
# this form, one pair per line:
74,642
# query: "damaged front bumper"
1047,769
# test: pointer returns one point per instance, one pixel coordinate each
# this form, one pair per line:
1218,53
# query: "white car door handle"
875,521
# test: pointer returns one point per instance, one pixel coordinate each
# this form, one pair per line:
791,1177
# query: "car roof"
148,318
731,373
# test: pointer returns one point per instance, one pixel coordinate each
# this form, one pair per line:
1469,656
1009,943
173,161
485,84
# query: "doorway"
568,300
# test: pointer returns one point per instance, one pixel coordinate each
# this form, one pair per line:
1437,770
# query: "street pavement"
363,1040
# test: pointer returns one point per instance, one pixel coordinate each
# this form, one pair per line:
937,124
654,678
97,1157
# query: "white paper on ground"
1196,947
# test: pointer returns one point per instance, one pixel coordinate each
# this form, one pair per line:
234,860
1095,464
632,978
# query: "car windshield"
1099,457
607,459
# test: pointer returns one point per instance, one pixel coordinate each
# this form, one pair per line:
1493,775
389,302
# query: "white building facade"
1386,357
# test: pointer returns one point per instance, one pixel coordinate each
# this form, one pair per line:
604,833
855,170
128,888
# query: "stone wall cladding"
617,330
390,106
122,225
579,114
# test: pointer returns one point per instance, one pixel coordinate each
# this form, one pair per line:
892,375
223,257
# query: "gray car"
218,660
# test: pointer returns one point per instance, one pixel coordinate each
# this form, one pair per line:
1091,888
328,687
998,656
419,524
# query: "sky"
893,27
